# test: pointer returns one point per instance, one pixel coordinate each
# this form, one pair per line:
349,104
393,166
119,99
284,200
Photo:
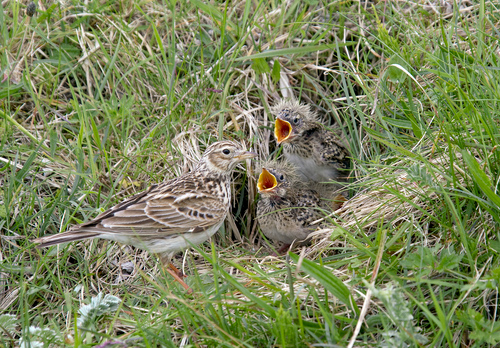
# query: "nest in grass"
393,197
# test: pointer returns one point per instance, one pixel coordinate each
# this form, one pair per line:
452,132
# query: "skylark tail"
69,236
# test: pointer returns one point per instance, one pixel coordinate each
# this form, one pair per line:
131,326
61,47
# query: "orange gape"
282,130
267,181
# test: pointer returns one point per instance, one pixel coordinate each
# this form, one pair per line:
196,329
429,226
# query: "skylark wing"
333,150
168,214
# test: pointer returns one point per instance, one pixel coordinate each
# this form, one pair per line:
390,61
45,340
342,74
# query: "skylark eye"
226,151
282,177
295,120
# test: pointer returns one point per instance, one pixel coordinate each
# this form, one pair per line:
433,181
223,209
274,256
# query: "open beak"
282,130
267,182
243,155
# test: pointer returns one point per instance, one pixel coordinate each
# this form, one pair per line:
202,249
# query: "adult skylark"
170,216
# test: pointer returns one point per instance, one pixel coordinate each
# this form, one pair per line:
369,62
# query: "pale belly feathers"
310,171
165,245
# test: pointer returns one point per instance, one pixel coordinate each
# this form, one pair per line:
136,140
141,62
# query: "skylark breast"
286,208
317,152
168,217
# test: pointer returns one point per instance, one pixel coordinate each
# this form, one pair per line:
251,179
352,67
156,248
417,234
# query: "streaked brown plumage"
286,208
318,153
170,216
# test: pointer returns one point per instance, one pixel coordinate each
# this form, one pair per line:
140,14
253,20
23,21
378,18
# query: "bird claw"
284,248
178,275
177,271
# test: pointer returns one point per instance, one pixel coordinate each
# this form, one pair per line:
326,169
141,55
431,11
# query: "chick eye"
282,177
226,151
295,120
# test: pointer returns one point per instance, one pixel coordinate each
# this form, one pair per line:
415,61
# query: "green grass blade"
294,50
481,179
331,283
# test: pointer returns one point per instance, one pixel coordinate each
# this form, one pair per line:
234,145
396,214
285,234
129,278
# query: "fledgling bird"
170,216
286,208
318,153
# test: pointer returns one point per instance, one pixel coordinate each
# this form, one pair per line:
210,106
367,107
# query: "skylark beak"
243,155
282,130
267,182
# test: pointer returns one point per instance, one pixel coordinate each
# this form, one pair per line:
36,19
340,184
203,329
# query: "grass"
98,100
